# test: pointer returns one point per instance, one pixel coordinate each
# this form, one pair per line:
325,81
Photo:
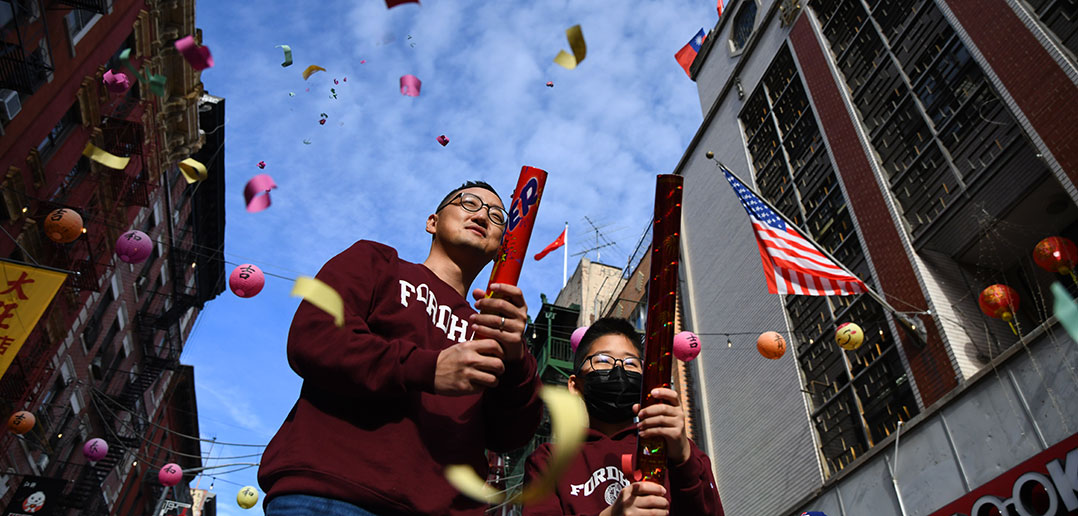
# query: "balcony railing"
95,6
21,72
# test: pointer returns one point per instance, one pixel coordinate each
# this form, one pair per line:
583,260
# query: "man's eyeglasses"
472,203
604,362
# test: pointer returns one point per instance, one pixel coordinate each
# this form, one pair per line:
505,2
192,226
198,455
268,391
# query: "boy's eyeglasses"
605,362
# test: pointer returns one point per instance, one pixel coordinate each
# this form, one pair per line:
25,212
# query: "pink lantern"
574,339
134,246
170,474
246,280
95,449
686,346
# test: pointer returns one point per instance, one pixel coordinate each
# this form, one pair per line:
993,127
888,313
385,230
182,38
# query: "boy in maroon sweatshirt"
415,380
609,375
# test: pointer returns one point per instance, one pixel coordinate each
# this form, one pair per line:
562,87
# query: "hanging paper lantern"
686,346
95,449
21,422
1057,254
574,339
246,280
771,345
170,474
134,246
849,336
1000,301
63,225
247,497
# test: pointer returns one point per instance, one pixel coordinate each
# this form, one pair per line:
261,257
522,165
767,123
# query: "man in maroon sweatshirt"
415,380
609,375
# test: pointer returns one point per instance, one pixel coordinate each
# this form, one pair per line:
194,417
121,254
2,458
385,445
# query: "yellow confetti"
569,422
193,171
317,293
103,157
311,69
576,43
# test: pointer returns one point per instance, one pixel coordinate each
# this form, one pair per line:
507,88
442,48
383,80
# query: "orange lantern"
1057,254
771,345
63,226
21,422
1000,301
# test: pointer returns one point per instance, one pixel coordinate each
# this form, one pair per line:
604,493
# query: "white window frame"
69,20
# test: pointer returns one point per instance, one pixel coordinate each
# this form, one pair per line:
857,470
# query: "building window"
1060,19
857,397
79,22
59,132
744,23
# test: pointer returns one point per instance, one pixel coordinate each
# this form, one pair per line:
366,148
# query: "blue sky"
374,170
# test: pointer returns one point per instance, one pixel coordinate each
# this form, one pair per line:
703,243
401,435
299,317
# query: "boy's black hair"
469,184
600,328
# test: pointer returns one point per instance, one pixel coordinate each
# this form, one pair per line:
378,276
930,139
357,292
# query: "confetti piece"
393,3
291,94
156,82
362,61
317,293
261,164
116,82
287,55
335,81
193,171
410,85
103,157
345,79
443,140
1066,311
311,69
333,93
198,57
550,84
256,193
569,420
576,43
322,122
307,141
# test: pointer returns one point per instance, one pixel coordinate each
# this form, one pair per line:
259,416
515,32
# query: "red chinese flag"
553,245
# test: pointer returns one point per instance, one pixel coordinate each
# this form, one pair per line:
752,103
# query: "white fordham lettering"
441,316
454,328
405,288
598,477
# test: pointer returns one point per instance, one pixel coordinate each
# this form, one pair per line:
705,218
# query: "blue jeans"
307,505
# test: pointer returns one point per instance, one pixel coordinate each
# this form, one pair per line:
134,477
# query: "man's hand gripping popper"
650,460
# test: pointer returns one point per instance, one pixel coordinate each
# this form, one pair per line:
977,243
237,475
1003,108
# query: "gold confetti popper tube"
518,229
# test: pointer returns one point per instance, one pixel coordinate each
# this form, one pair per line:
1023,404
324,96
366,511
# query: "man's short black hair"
469,184
603,327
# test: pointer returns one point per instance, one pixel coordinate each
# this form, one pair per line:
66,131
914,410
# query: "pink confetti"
198,57
345,79
261,164
550,84
335,81
322,122
116,82
410,85
443,140
256,193
363,61
393,3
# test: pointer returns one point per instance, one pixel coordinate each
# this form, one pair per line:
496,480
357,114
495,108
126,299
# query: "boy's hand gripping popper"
518,229
650,459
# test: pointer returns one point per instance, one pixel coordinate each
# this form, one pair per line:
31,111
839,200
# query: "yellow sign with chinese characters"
25,293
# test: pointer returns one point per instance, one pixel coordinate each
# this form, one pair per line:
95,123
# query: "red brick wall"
931,366
1036,82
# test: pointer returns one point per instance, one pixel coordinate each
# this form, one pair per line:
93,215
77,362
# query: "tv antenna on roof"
601,240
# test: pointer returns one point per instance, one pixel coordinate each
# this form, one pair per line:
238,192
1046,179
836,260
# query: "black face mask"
610,394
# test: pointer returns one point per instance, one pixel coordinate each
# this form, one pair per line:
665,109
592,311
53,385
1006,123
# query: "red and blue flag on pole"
688,52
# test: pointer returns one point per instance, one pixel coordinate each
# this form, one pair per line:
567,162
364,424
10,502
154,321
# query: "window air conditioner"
9,104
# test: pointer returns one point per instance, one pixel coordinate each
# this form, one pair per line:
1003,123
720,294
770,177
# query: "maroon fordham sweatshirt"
595,479
368,428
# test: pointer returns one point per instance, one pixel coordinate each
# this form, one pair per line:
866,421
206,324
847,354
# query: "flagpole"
565,257
908,322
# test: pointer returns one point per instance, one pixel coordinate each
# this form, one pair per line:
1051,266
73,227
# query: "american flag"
792,263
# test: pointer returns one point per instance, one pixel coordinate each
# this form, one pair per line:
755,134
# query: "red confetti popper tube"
518,229
662,295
